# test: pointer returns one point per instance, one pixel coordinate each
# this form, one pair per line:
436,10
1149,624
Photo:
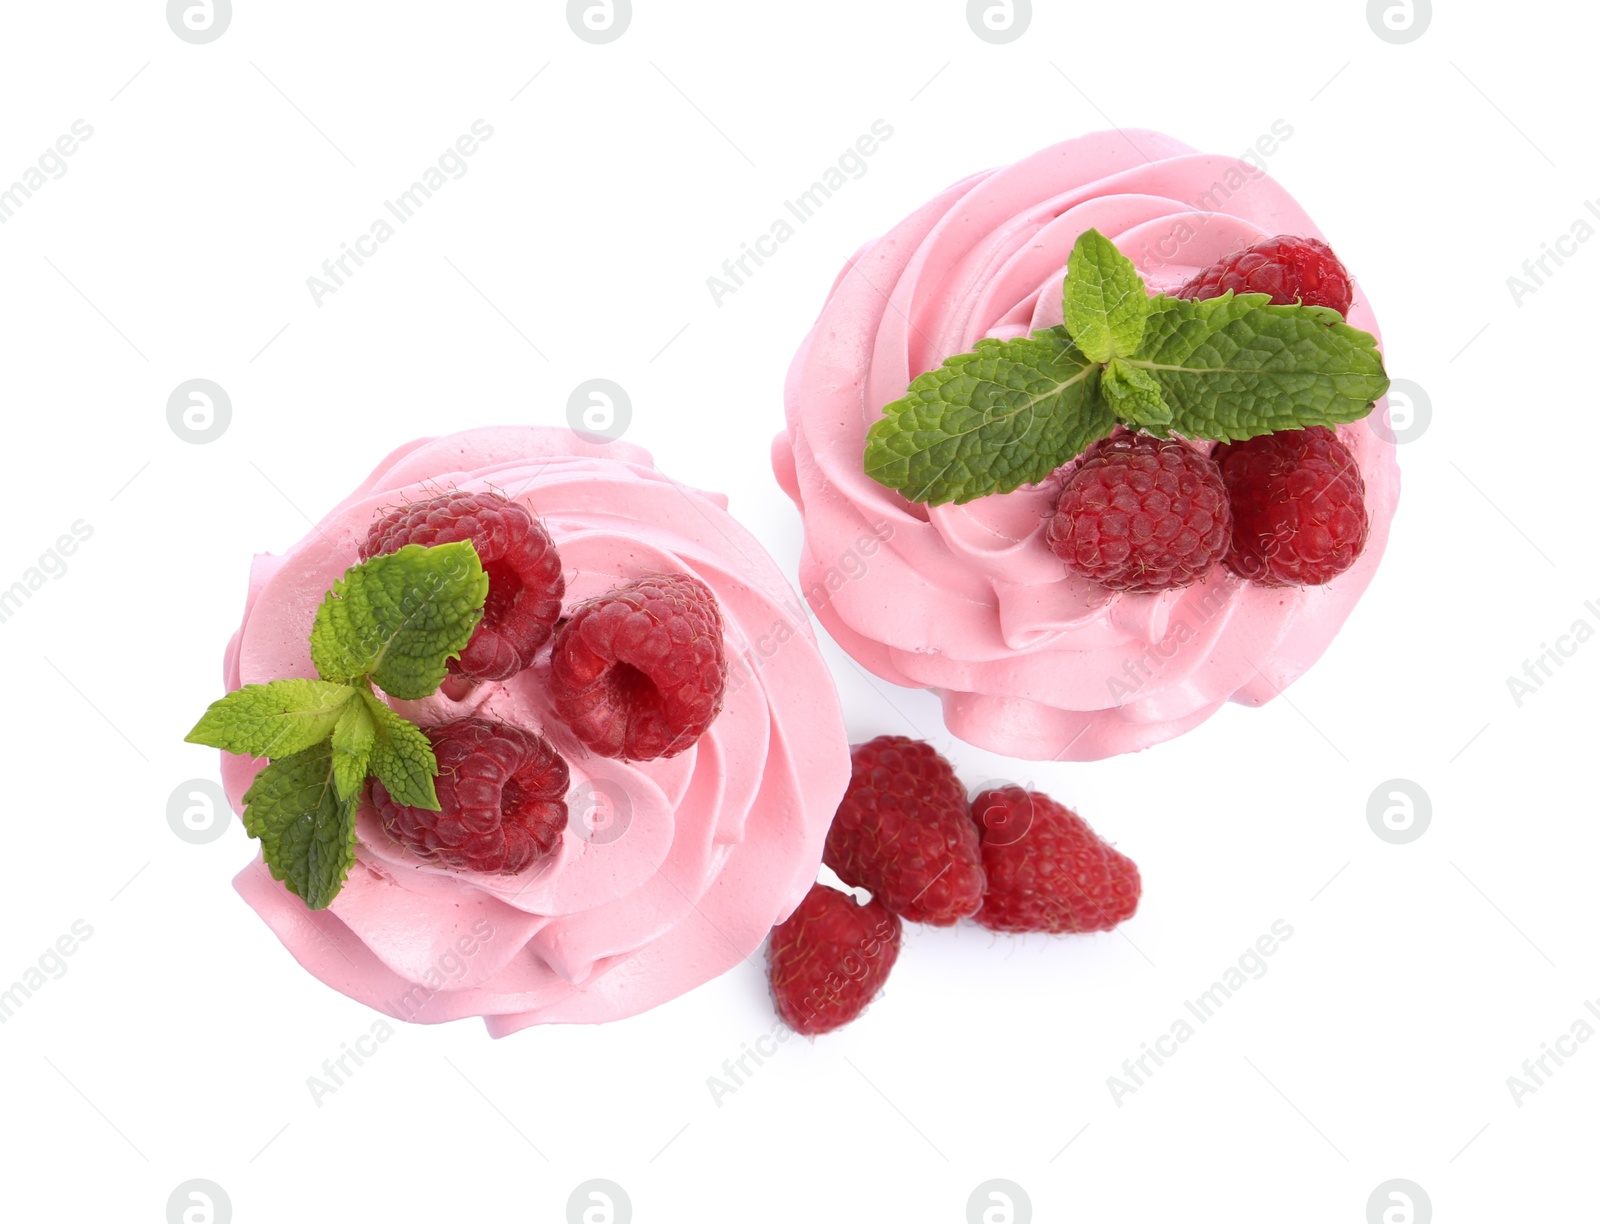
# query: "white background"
177,245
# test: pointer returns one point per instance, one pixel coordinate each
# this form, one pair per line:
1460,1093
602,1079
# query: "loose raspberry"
1290,269
1047,870
1141,514
904,833
1299,507
525,581
639,673
502,800
829,959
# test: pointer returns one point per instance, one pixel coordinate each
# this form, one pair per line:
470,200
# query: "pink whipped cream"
670,871
967,600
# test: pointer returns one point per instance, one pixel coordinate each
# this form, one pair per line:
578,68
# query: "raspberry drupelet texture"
1047,870
1139,513
1299,507
502,800
829,959
525,580
904,833
1287,268
639,673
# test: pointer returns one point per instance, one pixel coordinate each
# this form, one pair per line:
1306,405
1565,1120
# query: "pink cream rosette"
670,871
967,600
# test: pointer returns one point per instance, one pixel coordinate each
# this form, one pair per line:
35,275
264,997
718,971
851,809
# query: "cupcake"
1119,590
632,748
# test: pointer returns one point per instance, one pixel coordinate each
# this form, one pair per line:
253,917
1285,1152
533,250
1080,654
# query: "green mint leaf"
272,720
989,421
399,618
402,757
1135,395
353,737
1104,302
307,833
1235,367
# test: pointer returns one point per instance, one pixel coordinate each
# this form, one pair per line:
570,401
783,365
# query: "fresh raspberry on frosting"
904,833
829,959
639,672
502,800
1299,507
1139,513
525,580
1289,269
1047,869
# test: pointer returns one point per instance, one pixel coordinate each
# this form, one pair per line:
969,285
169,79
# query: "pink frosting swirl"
967,600
678,869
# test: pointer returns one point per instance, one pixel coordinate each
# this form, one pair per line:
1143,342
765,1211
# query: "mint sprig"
395,621
351,744
1134,394
273,720
398,617
1105,299
402,757
306,829
1001,413
1232,367
1010,412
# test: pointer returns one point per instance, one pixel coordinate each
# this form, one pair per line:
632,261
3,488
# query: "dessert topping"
639,672
1299,507
1140,513
393,621
1010,412
501,799
525,580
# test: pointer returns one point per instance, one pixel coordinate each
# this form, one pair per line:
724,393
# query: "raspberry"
525,582
1290,269
903,832
639,673
1047,869
829,959
1299,507
502,800
1140,513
